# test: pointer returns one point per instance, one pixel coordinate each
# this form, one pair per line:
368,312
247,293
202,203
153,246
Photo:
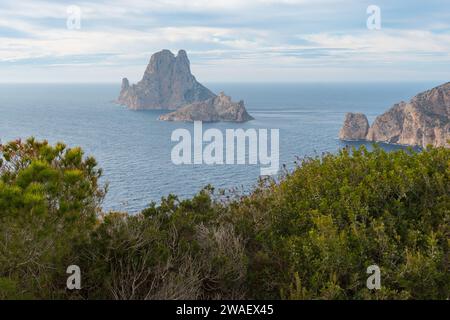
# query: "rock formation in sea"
424,120
219,108
356,127
167,84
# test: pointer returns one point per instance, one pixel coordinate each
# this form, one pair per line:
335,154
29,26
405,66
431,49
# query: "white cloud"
120,8
387,45
120,35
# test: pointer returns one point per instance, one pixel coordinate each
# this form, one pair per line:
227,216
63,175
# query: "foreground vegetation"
310,236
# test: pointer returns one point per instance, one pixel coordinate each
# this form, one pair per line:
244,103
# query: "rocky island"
168,84
219,108
424,120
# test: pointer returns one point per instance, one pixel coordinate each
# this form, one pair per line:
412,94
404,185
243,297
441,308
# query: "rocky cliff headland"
424,120
168,84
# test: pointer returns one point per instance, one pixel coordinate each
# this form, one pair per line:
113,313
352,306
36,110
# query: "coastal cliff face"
219,108
167,84
425,120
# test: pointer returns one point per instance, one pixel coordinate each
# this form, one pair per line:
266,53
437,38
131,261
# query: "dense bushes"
49,202
325,223
311,235
175,251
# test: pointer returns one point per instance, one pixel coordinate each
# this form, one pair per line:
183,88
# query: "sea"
134,149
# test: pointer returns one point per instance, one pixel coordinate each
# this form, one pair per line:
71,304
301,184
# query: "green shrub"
334,216
49,202
311,235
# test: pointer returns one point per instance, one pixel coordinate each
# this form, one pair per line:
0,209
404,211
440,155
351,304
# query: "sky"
226,40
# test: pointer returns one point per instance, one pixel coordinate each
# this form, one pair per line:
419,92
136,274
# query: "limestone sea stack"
424,120
219,108
167,84
356,127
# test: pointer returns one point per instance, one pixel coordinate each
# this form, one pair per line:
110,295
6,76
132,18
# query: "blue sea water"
134,148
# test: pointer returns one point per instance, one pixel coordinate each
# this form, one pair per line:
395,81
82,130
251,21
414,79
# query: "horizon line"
238,82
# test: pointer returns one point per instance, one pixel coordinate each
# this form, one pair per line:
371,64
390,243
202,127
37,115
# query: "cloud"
387,45
260,37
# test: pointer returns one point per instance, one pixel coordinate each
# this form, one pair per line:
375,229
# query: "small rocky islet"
168,84
219,108
423,121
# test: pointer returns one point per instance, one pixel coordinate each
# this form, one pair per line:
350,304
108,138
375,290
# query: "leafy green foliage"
334,216
49,201
311,235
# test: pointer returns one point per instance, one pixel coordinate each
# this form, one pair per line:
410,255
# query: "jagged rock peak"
125,84
165,60
182,57
167,83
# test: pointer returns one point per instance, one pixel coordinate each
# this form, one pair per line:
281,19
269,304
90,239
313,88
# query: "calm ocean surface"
133,148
